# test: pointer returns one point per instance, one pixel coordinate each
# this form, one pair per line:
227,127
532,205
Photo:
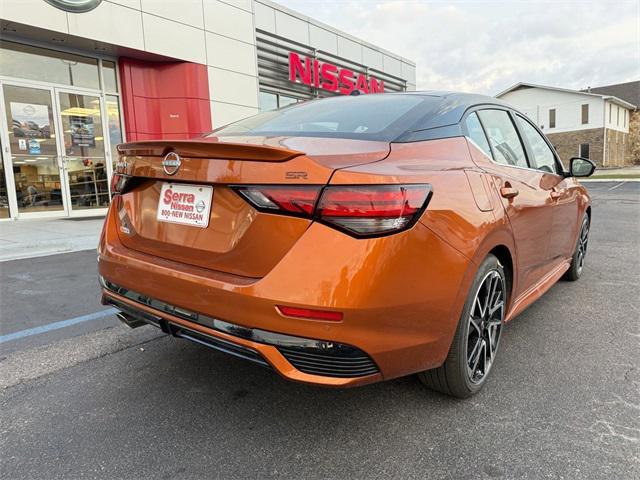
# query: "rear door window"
503,138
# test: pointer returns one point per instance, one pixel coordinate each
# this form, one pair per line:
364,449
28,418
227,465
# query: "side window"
584,150
476,133
543,158
503,138
585,114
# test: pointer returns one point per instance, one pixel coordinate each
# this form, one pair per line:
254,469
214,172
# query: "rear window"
381,117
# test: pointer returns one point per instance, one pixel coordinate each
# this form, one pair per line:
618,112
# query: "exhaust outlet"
130,321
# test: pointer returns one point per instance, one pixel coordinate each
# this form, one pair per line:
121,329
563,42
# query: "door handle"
509,192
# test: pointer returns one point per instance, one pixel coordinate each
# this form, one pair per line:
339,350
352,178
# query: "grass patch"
616,175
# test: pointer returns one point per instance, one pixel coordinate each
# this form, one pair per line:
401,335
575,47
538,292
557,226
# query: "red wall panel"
164,100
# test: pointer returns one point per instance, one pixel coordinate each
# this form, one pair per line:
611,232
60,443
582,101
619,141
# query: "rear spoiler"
204,149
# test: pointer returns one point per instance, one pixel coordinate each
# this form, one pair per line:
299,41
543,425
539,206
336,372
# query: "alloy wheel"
485,326
582,245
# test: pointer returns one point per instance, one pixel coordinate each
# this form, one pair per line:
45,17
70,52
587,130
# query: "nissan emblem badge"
171,163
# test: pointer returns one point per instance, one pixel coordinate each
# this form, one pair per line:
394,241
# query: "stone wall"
567,144
618,149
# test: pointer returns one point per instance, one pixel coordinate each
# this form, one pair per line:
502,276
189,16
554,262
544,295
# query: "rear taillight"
293,200
372,209
359,210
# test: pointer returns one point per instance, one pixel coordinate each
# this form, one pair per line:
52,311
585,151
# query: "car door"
564,193
525,194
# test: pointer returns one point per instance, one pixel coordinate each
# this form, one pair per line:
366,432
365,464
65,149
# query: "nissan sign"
328,76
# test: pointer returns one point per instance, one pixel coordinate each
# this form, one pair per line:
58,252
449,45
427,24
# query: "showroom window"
35,63
114,125
273,101
283,101
64,117
109,77
268,101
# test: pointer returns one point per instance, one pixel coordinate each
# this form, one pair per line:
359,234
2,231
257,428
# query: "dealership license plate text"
185,204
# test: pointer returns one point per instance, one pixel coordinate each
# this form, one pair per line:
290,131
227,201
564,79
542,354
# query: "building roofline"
611,98
615,84
341,33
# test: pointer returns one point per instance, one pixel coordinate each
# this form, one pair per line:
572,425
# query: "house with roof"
593,123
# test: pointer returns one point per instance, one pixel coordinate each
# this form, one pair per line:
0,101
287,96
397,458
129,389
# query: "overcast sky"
487,46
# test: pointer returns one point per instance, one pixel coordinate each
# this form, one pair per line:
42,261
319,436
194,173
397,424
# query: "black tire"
577,260
456,377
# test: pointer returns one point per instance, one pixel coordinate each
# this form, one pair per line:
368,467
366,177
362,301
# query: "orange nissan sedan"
348,240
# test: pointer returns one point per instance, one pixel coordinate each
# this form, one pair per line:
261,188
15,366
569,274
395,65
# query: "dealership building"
77,77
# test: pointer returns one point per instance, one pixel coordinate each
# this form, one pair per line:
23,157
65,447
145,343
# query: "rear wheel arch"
504,256
456,376
499,241
500,244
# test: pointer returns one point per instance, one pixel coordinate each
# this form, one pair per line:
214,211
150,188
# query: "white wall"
216,33
536,103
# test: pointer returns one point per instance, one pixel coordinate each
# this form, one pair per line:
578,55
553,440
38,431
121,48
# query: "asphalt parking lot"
96,400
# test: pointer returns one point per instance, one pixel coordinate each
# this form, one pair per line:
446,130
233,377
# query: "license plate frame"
185,204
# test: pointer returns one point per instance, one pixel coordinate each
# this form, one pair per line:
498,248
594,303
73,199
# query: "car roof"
444,120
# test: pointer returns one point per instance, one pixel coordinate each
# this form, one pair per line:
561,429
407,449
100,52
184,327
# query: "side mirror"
581,167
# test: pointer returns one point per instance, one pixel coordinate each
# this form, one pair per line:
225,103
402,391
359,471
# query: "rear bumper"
401,297
135,317
309,356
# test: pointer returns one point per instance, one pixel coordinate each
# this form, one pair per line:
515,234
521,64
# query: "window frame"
518,133
560,171
555,118
610,113
580,150
529,149
584,114
465,130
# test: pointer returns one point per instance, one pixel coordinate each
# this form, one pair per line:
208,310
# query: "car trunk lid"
234,238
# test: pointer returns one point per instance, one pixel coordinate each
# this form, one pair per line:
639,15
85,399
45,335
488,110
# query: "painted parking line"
615,186
57,325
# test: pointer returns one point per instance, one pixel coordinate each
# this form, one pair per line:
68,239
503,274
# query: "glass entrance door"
33,150
57,156
83,156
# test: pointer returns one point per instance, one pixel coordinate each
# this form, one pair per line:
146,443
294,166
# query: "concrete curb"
31,251
610,180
